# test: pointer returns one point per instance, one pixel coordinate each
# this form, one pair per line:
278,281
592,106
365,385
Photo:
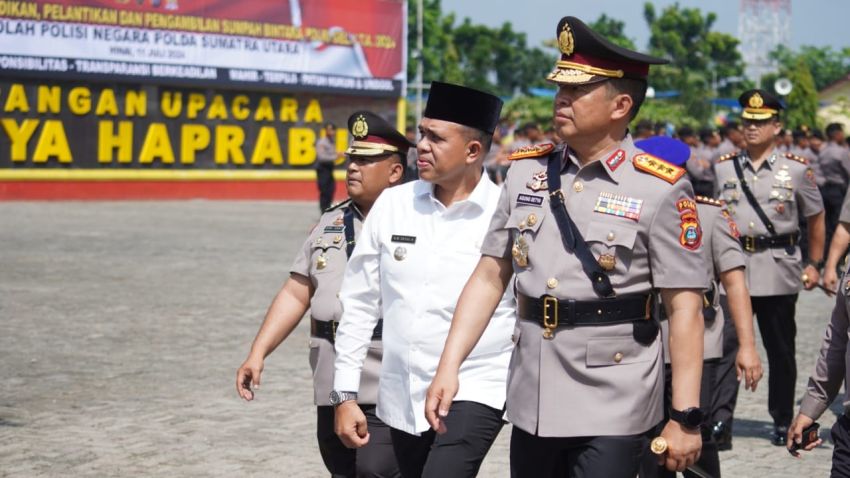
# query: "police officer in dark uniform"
377,158
764,189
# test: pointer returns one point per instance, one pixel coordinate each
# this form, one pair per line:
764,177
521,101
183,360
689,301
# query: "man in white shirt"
417,248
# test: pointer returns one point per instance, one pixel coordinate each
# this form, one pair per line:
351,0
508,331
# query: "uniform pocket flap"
611,234
606,351
526,218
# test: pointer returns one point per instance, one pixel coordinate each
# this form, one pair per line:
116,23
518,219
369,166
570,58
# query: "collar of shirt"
612,170
771,160
479,197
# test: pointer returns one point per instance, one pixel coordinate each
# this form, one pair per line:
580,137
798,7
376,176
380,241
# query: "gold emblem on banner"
566,42
756,101
360,128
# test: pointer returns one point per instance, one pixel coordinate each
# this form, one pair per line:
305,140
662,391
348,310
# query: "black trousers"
471,430
775,315
841,453
533,456
833,198
375,460
327,185
725,391
709,459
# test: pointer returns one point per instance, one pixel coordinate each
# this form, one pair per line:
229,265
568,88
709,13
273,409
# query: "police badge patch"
690,236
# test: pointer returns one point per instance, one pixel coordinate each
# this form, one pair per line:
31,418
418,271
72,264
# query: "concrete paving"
122,325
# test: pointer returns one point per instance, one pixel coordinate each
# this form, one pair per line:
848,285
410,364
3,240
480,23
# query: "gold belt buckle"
549,322
749,243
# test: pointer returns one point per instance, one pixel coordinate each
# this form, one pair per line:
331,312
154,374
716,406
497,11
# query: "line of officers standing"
443,306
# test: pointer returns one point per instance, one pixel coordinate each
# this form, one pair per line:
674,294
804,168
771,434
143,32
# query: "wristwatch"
689,418
339,397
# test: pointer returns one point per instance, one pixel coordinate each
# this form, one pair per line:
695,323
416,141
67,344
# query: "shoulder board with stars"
658,167
710,201
532,151
338,205
794,157
727,156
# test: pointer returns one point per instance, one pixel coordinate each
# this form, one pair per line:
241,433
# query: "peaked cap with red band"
588,57
374,136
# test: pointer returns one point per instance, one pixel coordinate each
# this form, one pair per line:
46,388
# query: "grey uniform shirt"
831,368
593,380
845,209
783,185
699,165
325,151
834,161
322,260
812,158
723,253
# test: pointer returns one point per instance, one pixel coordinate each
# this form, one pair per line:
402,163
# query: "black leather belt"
551,312
326,329
760,243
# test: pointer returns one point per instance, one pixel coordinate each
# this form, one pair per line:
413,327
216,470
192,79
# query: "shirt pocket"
523,224
325,254
609,240
608,351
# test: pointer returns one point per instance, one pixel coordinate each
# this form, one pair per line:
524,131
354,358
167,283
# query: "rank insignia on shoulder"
338,205
794,157
531,151
727,156
658,167
710,201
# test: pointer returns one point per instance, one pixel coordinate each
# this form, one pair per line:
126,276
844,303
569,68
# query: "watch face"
335,398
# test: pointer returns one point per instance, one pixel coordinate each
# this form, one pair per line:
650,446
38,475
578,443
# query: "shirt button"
578,187
610,236
532,219
618,357
752,224
552,283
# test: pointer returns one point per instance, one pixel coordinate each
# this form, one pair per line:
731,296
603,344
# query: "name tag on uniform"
529,199
334,228
403,239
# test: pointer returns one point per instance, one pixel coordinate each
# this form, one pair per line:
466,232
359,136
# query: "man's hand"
830,279
439,398
350,424
811,277
795,433
748,367
247,376
683,446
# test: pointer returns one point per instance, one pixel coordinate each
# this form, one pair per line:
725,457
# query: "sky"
813,22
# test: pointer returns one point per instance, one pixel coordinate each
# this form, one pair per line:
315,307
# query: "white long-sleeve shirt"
411,262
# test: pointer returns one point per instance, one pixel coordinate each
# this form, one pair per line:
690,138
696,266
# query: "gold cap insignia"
756,101
566,43
360,128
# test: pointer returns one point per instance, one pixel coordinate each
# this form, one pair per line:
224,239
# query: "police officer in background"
764,190
725,261
326,156
377,158
834,162
592,229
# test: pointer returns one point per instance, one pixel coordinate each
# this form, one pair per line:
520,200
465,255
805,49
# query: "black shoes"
779,435
722,434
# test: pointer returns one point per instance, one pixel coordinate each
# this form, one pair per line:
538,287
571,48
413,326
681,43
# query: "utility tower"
763,25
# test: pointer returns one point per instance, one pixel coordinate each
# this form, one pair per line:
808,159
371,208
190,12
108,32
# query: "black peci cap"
588,57
374,136
462,105
759,105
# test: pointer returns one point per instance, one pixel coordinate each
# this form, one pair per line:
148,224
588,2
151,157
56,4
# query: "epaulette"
794,157
531,151
658,167
338,205
710,201
727,156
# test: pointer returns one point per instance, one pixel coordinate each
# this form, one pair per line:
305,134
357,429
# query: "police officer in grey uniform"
764,190
377,158
834,162
837,246
824,384
725,261
592,229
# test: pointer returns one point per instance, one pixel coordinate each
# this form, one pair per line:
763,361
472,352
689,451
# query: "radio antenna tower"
763,25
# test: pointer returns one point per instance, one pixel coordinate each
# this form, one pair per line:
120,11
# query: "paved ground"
122,325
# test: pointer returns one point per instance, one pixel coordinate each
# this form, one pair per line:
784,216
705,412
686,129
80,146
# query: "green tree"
825,64
439,56
803,99
614,30
699,57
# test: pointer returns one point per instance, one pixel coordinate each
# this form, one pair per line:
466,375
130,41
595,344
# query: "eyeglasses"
758,123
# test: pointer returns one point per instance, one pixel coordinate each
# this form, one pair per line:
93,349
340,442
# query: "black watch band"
690,418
